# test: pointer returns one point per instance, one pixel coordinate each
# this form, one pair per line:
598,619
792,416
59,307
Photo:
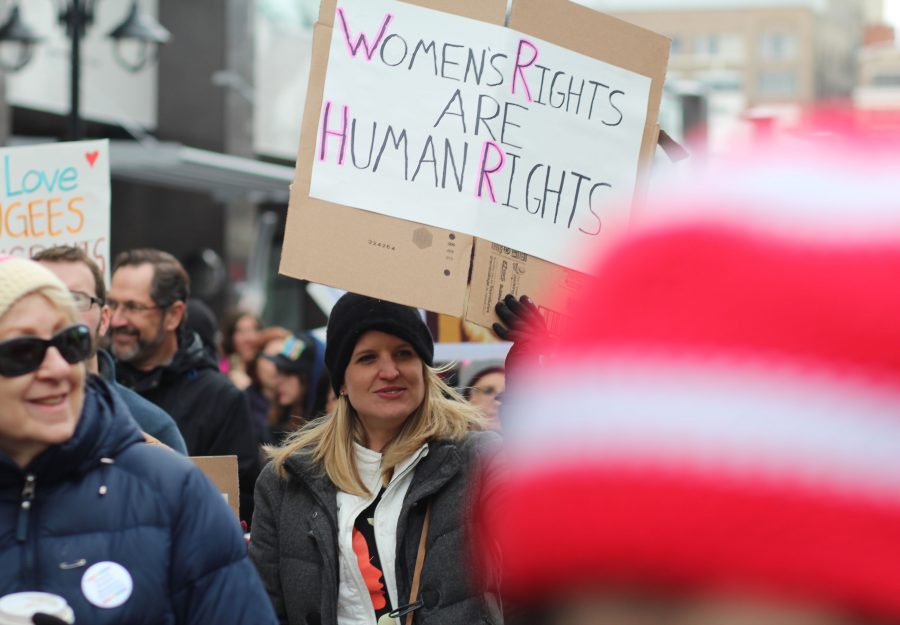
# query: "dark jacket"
104,496
210,411
294,540
149,417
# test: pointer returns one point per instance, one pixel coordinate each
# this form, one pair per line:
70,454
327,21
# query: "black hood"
190,357
104,429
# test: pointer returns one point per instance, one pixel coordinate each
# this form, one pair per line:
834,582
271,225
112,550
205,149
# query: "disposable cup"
19,608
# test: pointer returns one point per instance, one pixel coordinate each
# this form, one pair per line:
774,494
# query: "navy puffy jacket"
103,496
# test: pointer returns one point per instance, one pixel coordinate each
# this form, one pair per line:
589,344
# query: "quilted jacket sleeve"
213,580
264,540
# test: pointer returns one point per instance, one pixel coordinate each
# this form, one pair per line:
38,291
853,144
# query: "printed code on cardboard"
508,251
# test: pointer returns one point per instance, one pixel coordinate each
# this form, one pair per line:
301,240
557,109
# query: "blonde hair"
329,440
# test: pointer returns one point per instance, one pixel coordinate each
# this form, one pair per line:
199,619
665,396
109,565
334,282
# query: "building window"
721,81
721,46
706,45
777,84
886,80
777,46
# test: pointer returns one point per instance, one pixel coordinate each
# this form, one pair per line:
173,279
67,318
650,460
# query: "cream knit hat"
19,277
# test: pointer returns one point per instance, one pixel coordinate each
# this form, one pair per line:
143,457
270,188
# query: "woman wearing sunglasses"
124,532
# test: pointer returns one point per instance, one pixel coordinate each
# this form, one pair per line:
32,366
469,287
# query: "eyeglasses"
25,354
83,301
130,308
490,391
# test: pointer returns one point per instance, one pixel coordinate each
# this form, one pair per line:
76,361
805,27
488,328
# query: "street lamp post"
77,16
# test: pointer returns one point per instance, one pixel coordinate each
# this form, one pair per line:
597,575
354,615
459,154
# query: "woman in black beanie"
361,516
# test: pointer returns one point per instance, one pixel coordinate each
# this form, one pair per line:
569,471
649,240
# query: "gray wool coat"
294,539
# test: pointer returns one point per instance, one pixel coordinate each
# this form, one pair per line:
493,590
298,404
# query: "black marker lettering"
449,159
384,46
397,140
482,118
456,97
591,208
616,108
445,61
426,150
507,122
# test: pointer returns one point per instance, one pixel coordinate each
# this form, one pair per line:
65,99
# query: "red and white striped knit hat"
722,413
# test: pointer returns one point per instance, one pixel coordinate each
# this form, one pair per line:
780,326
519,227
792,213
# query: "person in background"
83,278
293,366
482,386
170,367
241,342
201,320
360,516
263,376
123,531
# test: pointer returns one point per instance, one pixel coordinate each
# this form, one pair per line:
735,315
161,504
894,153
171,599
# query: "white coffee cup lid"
18,608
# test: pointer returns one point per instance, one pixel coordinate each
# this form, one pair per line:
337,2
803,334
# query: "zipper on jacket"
25,508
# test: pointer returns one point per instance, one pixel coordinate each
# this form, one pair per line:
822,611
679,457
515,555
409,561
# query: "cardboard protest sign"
428,127
222,471
55,194
468,126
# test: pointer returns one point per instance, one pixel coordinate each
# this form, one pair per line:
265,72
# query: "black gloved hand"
524,325
45,619
522,321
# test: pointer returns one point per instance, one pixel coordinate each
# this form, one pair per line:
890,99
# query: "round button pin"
107,585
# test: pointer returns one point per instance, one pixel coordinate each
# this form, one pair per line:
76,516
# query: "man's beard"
142,350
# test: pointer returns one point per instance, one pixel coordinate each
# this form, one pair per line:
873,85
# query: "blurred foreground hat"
298,355
353,315
19,277
723,414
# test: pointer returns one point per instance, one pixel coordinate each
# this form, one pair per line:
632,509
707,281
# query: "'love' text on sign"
55,194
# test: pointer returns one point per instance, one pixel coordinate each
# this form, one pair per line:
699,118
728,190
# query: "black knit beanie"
353,315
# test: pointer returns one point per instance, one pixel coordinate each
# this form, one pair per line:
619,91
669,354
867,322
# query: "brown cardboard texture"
430,267
222,471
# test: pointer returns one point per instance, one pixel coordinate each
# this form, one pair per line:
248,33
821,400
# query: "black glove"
524,325
522,321
45,619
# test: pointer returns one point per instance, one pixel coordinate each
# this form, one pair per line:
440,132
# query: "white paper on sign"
55,194
472,127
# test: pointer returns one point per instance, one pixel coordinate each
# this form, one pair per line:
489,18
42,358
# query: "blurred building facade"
205,139
761,63
194,170
877,95
760,51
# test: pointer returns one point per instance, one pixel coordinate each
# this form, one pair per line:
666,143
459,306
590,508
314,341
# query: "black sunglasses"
25,354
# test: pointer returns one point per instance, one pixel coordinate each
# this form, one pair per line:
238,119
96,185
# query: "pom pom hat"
722,414
19,277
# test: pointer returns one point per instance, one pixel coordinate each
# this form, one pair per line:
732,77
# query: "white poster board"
476,128
55,194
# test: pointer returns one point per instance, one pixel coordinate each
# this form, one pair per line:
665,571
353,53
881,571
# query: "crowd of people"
710,439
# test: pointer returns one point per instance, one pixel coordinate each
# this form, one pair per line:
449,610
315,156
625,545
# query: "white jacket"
354,603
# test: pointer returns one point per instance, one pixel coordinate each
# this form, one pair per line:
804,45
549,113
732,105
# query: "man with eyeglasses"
83,278
167,364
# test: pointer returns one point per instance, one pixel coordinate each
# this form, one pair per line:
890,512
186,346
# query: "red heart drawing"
92,157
